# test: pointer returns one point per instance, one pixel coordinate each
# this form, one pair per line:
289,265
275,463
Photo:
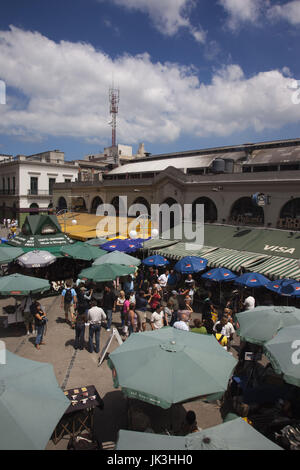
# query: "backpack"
68,296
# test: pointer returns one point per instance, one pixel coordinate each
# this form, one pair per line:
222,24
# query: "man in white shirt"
182,324
163,279
249,302
157,318
95,316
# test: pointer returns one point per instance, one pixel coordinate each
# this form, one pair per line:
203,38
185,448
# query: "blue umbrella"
127,246
252,280
280,284
219,275
291,289
156,260
190,264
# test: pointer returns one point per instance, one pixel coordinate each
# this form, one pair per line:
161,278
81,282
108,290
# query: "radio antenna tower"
114,98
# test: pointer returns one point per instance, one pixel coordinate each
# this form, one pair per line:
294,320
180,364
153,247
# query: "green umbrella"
117,257
18,284
105,272
95,241
283,351
260,324
31,403
234,435
82,251
9,253
171,366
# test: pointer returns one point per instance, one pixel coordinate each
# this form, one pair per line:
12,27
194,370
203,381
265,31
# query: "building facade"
26,182
225,180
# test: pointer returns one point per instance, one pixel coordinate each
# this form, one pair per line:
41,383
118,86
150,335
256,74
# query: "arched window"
97,201
245,212
79,204
34,205
62,203
143,202
210,209
289,217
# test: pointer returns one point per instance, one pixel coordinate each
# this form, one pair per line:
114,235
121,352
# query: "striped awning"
178,251
279,268
217,257
234,260
157,243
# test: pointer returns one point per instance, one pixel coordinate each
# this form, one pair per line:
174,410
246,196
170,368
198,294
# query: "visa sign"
281,249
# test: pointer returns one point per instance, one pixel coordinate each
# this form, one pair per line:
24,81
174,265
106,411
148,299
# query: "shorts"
142,316
69,308
28,317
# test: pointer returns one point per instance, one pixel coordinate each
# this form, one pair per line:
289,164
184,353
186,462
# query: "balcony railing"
10,192
38,192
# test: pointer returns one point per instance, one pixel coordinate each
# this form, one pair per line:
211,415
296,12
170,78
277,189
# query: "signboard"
259,199
114,334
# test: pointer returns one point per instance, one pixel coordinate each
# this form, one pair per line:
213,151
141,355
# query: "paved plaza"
75,368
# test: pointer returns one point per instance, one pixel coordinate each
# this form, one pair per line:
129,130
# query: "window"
51,183
68,180
33,185
14,184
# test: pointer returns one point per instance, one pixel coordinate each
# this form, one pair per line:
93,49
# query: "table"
80,414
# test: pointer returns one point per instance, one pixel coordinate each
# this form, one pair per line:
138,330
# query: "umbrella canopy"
117,257
156,260
171,366
291,289
105,272
219,275
252,280
127,245
9,253
234,435
261,324
18,284
190,264
82,251
96,241
31,403
278,285
283,353
36,259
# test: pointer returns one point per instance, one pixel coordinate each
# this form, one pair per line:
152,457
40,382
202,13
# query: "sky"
191,74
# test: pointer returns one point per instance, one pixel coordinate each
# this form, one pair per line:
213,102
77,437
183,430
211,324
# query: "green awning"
179,250
266,241
234,260
157,243
279,268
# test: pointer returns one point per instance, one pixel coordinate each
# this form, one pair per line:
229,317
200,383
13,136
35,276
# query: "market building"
250,184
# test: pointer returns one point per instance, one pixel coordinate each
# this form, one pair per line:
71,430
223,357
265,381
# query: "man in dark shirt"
108,305
141,309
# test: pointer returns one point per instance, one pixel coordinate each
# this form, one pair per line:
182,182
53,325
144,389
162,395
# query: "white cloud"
242,11
168,16
289,11
63,91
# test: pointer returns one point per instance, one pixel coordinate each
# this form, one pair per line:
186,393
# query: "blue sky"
191,74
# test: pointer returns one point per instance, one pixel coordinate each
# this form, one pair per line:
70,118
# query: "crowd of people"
155,298
150,299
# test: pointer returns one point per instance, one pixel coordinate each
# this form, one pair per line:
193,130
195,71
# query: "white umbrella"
36,259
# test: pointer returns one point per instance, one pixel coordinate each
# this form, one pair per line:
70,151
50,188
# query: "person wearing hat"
174,304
